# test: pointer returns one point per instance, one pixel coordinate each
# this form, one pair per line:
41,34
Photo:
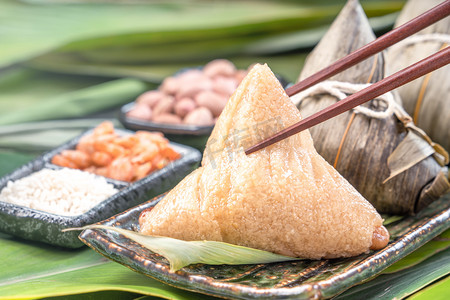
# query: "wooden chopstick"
402,77
385,85
394,36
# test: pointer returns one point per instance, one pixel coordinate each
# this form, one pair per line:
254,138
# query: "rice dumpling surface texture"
285,198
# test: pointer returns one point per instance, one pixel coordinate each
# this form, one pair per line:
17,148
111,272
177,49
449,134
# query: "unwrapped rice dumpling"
284,198
377,148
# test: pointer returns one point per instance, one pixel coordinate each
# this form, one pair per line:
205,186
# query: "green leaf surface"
181,253
21,88
9,161
37,137
436,245
104,295
286,65
29,30
33,271
437,291
32,96
403,283
388,219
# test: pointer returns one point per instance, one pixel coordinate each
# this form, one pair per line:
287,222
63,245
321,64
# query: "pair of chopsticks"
385,85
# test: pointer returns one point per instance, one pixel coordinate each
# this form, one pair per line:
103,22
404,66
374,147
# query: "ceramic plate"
46,227
298,280
138,124
192,135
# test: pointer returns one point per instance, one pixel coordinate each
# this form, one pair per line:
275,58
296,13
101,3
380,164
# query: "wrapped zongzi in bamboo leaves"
427,98
376,147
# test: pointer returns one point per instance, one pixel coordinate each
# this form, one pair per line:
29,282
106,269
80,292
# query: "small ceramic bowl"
192,135
32,224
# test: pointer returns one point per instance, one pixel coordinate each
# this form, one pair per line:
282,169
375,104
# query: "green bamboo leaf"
30,30
286,65
37,137
21,87
437,291
181,253
436,245
76,103
388,219
307,37
103,295
33,271
9,161
403,283
72,64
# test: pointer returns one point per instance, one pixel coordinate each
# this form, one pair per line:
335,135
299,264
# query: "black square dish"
46,227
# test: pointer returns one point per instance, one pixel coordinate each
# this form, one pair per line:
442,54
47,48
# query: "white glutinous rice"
66,192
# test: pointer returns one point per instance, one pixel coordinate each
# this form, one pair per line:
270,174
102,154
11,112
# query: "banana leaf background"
66,65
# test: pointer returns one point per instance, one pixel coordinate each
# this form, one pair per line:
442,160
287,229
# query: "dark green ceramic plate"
296,280
36,225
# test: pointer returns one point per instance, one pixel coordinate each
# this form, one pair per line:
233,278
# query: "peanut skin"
140,111
224,85
200,116
167,118
184,106
150,98
170,86
219,67
190,89
212,101
179,98
165,105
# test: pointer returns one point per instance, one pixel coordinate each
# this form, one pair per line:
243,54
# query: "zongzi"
284,198
376,147
426,99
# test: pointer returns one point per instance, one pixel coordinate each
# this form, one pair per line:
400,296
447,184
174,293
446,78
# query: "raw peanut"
190,89
219,67
225,85
165,105
170,86
184,106
140,111
212,101
190,75
150,98
167,118
251,67
200,116
240,74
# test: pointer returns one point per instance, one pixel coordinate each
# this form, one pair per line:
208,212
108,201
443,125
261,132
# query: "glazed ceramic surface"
301,279
191,135
46,227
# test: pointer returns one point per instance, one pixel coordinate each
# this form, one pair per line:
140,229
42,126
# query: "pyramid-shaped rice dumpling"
284,199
